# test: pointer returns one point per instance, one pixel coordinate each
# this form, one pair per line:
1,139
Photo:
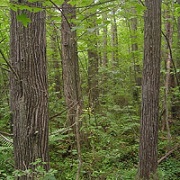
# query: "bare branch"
58,8
167,154
171,56
8,63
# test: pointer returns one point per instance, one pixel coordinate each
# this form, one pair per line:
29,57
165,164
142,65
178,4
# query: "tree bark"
28,90
71,77
93,63
105,41
114,39
134,49
168,77
150,91
56,62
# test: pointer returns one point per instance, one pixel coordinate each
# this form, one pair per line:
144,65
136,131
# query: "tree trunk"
134,48
168,78
56,62
175,99
93,63
105,33
71,77
150,91
28,90
93,80
114,40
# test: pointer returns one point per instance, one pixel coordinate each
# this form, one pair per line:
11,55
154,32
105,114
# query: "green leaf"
13,7
23,19
16,7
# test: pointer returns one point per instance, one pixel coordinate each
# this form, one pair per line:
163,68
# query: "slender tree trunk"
71,77
175,99
93,79
56,62
168,77
105,33
28,90
93,69
134,48
114,39
150,91
179,32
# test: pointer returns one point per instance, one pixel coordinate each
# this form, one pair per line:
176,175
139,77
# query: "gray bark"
150,91
28,90
70,65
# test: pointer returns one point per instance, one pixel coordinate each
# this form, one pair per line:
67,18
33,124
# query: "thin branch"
95,4
5,134
63,130
59,9
142,2
171,56
5,68
58,114
6,139
78,141
2,40
8,63
167,154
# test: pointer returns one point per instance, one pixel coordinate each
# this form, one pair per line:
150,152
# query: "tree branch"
78,141
8,63
167,154
60,9
171,56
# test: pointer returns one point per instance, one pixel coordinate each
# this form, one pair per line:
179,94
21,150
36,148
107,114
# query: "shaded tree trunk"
175,99
168,78
134,48
150,91
179,37
114,39
93,63
71,77
56,62
105,33
28,90
93,79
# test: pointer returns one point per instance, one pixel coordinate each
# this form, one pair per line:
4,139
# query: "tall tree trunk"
134,48
71,77
114,39
105,33
175,99
56,62
179,37
168,78
93,80
150,91
28,90
93,65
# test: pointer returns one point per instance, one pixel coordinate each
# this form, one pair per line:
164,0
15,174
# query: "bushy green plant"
6,158
39,173
170,169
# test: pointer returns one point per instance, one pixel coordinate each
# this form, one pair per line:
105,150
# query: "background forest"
100,138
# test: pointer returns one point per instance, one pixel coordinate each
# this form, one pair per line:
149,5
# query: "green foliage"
110,137
170,169
16,7
39,172
23,19
6,158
